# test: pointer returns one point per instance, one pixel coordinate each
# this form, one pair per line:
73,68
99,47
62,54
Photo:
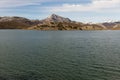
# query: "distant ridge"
54,22
16,22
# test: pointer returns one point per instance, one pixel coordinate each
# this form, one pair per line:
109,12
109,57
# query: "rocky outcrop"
67,26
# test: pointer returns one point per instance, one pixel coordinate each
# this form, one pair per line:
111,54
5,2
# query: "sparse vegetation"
54,22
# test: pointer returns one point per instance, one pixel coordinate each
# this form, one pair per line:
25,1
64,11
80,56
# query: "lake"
59,55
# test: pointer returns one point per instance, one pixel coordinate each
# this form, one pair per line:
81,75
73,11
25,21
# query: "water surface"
59,55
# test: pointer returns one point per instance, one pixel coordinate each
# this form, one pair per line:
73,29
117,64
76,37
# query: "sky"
78,10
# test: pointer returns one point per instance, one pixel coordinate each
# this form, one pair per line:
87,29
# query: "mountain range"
54,22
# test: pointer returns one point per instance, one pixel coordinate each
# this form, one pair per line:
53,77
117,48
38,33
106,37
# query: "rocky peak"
53,16
56,18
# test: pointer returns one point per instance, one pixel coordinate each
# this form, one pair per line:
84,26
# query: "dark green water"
59,55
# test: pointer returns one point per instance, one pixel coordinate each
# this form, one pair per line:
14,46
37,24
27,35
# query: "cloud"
95,5
19,3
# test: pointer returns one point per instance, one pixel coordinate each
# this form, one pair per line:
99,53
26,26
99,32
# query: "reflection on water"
59,55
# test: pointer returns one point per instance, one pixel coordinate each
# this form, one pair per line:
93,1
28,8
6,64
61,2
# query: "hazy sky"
79,10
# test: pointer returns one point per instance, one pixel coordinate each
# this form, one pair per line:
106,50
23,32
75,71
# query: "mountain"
16,22
111,25
54,22
56,18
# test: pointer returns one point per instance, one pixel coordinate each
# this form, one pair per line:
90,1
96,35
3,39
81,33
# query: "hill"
16,23
56,22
